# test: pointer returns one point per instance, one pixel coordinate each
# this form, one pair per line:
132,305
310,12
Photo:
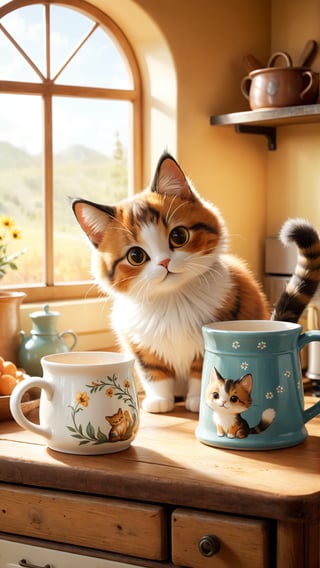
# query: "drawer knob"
27,564
209,545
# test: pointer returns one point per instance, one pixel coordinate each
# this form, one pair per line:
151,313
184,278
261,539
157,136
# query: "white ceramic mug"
88,403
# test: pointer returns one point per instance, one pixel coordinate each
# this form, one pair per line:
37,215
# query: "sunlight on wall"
158,77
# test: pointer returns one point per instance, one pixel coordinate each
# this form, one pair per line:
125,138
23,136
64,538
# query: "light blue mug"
252,391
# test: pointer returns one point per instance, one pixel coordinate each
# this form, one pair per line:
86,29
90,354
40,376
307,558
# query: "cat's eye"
179,237
234,398
215,395
137,256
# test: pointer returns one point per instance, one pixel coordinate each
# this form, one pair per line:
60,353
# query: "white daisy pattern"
287,374
279,389
261,345
244,365
269,395
236,345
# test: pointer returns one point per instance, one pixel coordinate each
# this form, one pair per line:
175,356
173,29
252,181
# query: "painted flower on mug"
82,398
121,425
236,345
261,345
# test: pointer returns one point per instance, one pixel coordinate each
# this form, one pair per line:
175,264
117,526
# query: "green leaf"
102,437
90,430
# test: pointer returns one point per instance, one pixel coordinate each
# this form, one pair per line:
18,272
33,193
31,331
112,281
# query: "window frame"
47,90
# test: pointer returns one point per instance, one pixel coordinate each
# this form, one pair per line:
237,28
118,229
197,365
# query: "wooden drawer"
134,529
243,543
13,554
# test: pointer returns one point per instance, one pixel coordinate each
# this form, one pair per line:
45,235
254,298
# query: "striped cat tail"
304,282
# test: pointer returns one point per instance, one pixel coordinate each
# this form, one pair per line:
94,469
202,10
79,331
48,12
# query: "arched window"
70,125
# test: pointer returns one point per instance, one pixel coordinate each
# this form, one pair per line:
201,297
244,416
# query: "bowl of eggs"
10,376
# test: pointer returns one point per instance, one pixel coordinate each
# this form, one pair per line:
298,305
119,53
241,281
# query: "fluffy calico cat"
120,423
228,398
161,255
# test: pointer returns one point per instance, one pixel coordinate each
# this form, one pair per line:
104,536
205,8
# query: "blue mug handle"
303,340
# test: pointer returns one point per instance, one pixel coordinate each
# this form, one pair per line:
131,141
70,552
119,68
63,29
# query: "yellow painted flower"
127,384
109,392
82,398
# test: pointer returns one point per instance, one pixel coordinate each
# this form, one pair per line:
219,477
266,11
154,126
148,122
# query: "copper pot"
273,87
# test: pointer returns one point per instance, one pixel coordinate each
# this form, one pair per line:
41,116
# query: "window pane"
26,26
98,63
90,141
21,181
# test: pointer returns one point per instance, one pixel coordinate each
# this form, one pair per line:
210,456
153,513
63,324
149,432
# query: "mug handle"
303,340
278,54
309,85
15,403
69,332
245,86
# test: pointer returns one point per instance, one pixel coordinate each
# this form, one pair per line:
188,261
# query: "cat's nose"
164,262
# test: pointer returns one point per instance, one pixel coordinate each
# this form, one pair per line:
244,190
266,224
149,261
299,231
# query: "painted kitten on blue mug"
228,399
162,257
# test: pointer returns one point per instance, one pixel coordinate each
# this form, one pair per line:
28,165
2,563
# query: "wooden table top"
167,464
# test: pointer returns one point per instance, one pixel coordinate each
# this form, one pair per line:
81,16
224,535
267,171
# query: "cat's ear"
215,375
169,179
92,218
246,382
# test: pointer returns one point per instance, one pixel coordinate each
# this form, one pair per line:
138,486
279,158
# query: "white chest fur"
170,325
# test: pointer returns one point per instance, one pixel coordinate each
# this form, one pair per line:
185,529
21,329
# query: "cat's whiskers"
169,214
122,227
174,212
141,288
115,286
94,286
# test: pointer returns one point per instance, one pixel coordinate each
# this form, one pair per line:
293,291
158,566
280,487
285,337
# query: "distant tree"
119,170
118,152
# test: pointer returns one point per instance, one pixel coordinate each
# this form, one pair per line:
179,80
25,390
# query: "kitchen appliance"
280,263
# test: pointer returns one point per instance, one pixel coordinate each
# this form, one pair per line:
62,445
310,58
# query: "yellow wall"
294,170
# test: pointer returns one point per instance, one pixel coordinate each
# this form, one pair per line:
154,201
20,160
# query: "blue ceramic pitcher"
43,340
252,391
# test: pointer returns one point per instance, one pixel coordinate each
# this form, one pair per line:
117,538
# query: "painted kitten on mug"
161,255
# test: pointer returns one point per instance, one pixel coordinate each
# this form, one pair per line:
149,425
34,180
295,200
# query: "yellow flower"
15,233
6,221
109,392
127,384
8,232
82,398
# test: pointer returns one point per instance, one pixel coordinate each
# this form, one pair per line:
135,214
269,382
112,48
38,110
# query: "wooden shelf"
264,122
